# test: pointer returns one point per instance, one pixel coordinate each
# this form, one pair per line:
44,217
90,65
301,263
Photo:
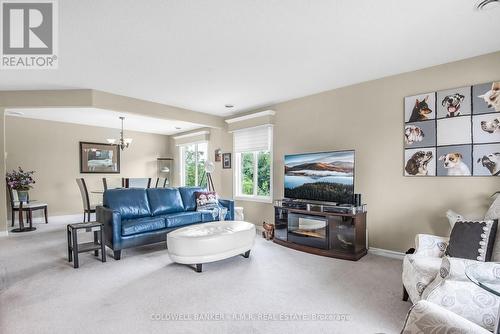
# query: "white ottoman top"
211,229
209,242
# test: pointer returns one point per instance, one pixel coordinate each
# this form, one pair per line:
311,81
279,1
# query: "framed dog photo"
226,160
486,98
454,102
486,128
453,132
454,160
420,162
420,108
420,134
486,160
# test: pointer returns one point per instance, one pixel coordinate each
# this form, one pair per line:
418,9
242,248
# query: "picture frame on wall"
226,160
453,132
218,154
99,158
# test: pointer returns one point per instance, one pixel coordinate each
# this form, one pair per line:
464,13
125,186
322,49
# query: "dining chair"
88,206
113,183
161,182
141,182
28,207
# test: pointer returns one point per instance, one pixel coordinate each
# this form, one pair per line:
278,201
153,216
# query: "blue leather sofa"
135,217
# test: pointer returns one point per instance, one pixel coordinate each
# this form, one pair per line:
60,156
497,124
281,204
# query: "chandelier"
483,3
123,143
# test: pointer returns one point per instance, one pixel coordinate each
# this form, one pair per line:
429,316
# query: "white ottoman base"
209,242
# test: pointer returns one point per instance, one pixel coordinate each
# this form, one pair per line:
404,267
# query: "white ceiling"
105,118
201,55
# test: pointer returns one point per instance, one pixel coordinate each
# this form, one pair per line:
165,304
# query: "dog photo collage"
454,132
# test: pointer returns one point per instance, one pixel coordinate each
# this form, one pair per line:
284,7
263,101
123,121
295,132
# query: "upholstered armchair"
426,317
429,275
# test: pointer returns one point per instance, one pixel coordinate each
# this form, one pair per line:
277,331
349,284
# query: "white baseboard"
4,233
386,253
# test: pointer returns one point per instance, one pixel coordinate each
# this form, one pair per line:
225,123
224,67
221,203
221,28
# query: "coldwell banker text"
29,34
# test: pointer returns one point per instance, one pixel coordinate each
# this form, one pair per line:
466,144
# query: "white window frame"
237,175
182,162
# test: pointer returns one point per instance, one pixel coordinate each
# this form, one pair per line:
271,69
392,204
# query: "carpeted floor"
276,290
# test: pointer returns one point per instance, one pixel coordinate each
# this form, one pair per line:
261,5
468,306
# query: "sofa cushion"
189,197
182,218
454,291
425,316
141,225
207,216
164,200
131,203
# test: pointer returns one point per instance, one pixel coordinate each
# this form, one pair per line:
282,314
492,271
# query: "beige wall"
368,117
52,150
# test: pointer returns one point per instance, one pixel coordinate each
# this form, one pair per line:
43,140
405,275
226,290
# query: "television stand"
338,232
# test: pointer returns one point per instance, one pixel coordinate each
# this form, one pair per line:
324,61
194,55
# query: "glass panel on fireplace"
307,230
343,234
280,223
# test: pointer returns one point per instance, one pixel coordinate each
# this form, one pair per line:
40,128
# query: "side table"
74,248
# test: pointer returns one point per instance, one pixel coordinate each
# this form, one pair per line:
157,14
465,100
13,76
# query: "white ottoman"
209,242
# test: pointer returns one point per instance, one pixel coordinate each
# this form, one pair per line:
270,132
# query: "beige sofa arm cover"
430,245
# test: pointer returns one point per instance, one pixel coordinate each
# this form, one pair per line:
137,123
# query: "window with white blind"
253,163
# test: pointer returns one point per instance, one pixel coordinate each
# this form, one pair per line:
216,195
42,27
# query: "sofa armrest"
453,268
112,221
229,204
436,318
430,245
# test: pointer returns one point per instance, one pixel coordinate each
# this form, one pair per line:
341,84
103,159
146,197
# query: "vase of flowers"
21,181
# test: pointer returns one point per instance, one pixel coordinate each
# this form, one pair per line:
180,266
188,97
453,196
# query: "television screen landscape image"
324,177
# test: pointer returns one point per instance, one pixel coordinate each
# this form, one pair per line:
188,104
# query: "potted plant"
21,181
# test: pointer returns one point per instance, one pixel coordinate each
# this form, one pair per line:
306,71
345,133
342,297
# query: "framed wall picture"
218,154
99,158
454,132
226,160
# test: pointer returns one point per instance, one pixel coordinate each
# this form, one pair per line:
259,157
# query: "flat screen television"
321,177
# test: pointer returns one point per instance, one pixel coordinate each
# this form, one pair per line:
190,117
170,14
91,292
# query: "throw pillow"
472,240
206,200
